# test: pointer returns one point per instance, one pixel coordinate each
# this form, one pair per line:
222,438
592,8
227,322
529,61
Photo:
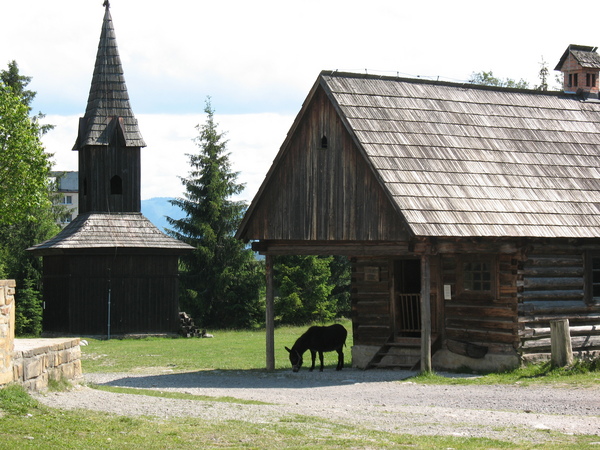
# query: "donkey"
319,339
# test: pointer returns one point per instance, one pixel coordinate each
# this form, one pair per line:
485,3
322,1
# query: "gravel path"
374,399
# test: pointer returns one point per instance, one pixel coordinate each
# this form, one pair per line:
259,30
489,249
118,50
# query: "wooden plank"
555,307
270,315
481,336
563,283
426,365
578,342
466,311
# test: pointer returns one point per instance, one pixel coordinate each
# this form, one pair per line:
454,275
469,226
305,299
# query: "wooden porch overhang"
413,247
422,248
325,248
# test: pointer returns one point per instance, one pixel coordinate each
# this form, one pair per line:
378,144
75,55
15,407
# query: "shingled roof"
96,231
108,115
585,55
462,160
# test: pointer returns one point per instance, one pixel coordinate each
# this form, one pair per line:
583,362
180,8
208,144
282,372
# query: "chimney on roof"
580,65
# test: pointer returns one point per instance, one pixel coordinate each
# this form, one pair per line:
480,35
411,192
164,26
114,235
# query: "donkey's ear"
289,351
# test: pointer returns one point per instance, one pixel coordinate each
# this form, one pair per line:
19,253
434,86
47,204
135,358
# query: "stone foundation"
33,362
491,362
445,360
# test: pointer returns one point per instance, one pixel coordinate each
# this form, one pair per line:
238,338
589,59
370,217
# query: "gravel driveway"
375,399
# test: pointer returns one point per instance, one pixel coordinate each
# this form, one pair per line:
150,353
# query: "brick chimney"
580,65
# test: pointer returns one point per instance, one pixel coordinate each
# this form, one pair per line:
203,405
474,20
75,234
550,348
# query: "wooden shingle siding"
552,287
108,114
474,161
95,232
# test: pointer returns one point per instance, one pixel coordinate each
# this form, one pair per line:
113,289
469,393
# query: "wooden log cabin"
470,214
110,271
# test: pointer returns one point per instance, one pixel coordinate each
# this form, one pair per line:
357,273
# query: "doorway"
407,298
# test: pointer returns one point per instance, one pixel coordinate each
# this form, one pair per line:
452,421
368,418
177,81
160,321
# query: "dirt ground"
375,399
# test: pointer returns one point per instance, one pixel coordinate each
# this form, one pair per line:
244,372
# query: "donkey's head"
295,359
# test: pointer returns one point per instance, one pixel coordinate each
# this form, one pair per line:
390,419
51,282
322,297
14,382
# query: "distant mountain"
157,208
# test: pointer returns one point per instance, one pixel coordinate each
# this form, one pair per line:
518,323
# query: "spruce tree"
220,280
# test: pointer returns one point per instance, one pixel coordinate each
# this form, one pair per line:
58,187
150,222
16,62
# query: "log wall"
552,285
483,320
371,306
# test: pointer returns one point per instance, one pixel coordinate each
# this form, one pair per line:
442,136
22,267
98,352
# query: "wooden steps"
399,353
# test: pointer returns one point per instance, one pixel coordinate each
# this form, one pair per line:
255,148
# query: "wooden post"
270,315
560,343
425,314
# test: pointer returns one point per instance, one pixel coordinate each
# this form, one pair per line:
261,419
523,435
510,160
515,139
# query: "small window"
588,79
595,278
324,142
477,276
68,199
570,79
575,80
116,185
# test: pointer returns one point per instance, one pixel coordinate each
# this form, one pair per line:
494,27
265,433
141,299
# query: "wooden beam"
270,315
425,314
560,343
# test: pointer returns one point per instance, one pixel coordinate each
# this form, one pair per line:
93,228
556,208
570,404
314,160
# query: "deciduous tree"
488,79
26,214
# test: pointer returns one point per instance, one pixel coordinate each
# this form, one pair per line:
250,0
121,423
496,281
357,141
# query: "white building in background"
67,184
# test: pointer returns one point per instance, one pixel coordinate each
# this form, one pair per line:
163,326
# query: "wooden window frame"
491,294
589,278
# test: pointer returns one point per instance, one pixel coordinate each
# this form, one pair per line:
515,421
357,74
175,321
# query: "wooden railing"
408,311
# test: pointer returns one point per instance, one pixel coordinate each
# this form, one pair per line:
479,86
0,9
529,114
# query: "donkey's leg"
321,358
313,355
340,364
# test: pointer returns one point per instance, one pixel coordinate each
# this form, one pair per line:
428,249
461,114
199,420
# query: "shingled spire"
109,140
108,116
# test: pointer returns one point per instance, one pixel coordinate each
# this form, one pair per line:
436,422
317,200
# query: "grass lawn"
26,424
228,350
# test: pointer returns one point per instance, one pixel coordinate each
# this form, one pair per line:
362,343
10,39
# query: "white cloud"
253,141
258,61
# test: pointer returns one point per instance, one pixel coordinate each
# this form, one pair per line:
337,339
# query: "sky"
257,61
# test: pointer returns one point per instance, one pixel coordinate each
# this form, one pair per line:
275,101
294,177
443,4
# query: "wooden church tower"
110,271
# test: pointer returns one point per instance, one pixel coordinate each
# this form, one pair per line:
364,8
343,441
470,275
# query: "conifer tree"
220,280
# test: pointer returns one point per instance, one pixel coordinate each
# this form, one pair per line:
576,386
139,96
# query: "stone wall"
7,329
36,361
33,362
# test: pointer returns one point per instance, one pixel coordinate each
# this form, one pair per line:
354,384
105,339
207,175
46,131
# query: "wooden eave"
102,233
